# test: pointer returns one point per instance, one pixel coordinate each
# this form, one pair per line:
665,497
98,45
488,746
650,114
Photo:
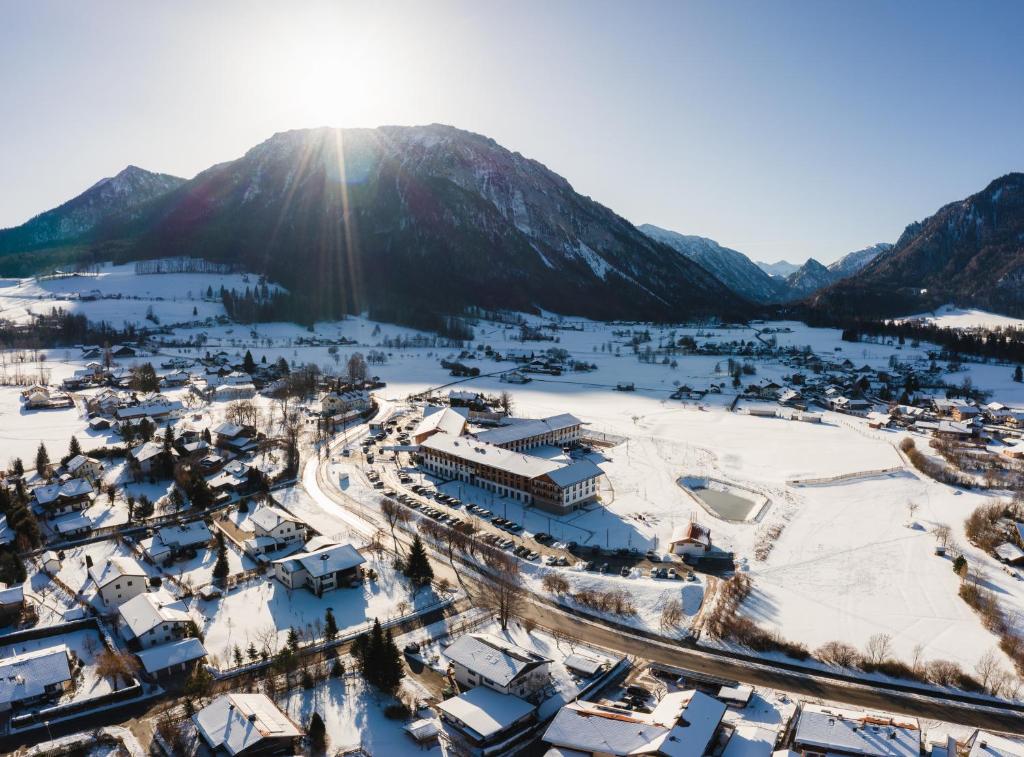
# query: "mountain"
782,269
969,253
853,262
115,199
400,220
809,278
732,268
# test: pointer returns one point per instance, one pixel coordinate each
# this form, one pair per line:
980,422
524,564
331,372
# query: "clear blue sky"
784,129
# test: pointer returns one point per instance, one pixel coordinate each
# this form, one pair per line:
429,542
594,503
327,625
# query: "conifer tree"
42,460
221,567
74,448
417,566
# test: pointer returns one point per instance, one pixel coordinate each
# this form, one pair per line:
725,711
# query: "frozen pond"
726,504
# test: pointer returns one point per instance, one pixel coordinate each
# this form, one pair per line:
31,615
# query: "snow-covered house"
355,400
234,476
148,457
683,723
34,677
331,567
12,600
480,659
986,744
438,420
60,499
175,658
481,721
153,618
234,437
272,529
81,466
170,543
154,406
821,730
246,724
118,579
7,534
690,539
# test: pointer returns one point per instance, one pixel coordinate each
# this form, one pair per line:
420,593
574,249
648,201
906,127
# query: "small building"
81,466
118,579
51,562
482,722
233,437
154,618
246,724
34,677
148,457
438,420
273,529
60,499
831,731
174,660
1010,553
72,526
480,659
986,744
326,569
176,541
12,602
690,539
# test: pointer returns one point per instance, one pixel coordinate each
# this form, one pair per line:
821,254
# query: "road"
552,617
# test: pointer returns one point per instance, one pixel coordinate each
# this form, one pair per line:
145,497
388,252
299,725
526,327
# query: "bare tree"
912,508
671,615
879,647
987,668
394,514
502,590
943,533
242,412
117,665
917,659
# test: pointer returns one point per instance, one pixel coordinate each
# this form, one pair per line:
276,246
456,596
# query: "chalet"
155,407
233,477
272,530
335,403
234,437
790,398
60,499
517,434
174,378
174,542
33,677
483,722
246,724
851,405
325,569
148,457
153,618
439,420
682,723
176,659
118,579
480,659
549,485
879,420
124,350
690,540
72,525
81,466
821,730
515,377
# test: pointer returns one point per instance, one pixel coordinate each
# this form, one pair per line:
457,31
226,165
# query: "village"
552,537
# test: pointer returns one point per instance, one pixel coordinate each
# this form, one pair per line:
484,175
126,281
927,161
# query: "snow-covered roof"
236,722
445,420
26,676
526,429
269,517
422,729
76,487
7,534
483,453
148,450
111,569
1009,552
588,666
77,462
575,473
164,656
325,561
192,534
691,531
12,595
145,612
682,724
68,524
492,657
485,712
230,430
751,741
984,744
861,734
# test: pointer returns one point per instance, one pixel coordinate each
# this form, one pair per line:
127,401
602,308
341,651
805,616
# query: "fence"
844,477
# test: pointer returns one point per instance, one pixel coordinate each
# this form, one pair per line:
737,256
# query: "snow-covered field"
949,316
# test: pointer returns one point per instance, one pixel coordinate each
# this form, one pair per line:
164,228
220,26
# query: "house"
70,526
483,722
331,567
12,601
175,378
81,466
438,420
272,529
790,397
118,579
480,659
34,677
1010,553
751,741
175,659
235,476
879,420
683,723
690,539
153,618
173,542
149,458
547,484
60,499
335,403
51,562
246,724
234,437
153,406
985,744
832,731
850,405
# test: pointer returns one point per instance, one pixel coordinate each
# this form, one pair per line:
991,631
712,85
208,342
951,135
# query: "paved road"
549,616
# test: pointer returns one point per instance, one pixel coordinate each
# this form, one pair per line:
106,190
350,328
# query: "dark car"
411,648
604,567
590,565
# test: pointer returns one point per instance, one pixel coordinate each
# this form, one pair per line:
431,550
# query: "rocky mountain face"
112,200
403,218
969,253
853,262
809,278
732,268
782,269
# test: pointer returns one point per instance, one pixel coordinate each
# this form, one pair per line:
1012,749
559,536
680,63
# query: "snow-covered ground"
949,316
86,644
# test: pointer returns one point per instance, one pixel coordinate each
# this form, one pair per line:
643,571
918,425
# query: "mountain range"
432,219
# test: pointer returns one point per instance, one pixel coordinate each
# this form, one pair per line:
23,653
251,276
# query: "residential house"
483,722
343,402
241,725
233,477
149,458
33,677
174,660
81,466
273,529
986,744
480,659
690,539
154,618
171,543
322,570
234,437
12,602
58,499
118,579
832,731
683,723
